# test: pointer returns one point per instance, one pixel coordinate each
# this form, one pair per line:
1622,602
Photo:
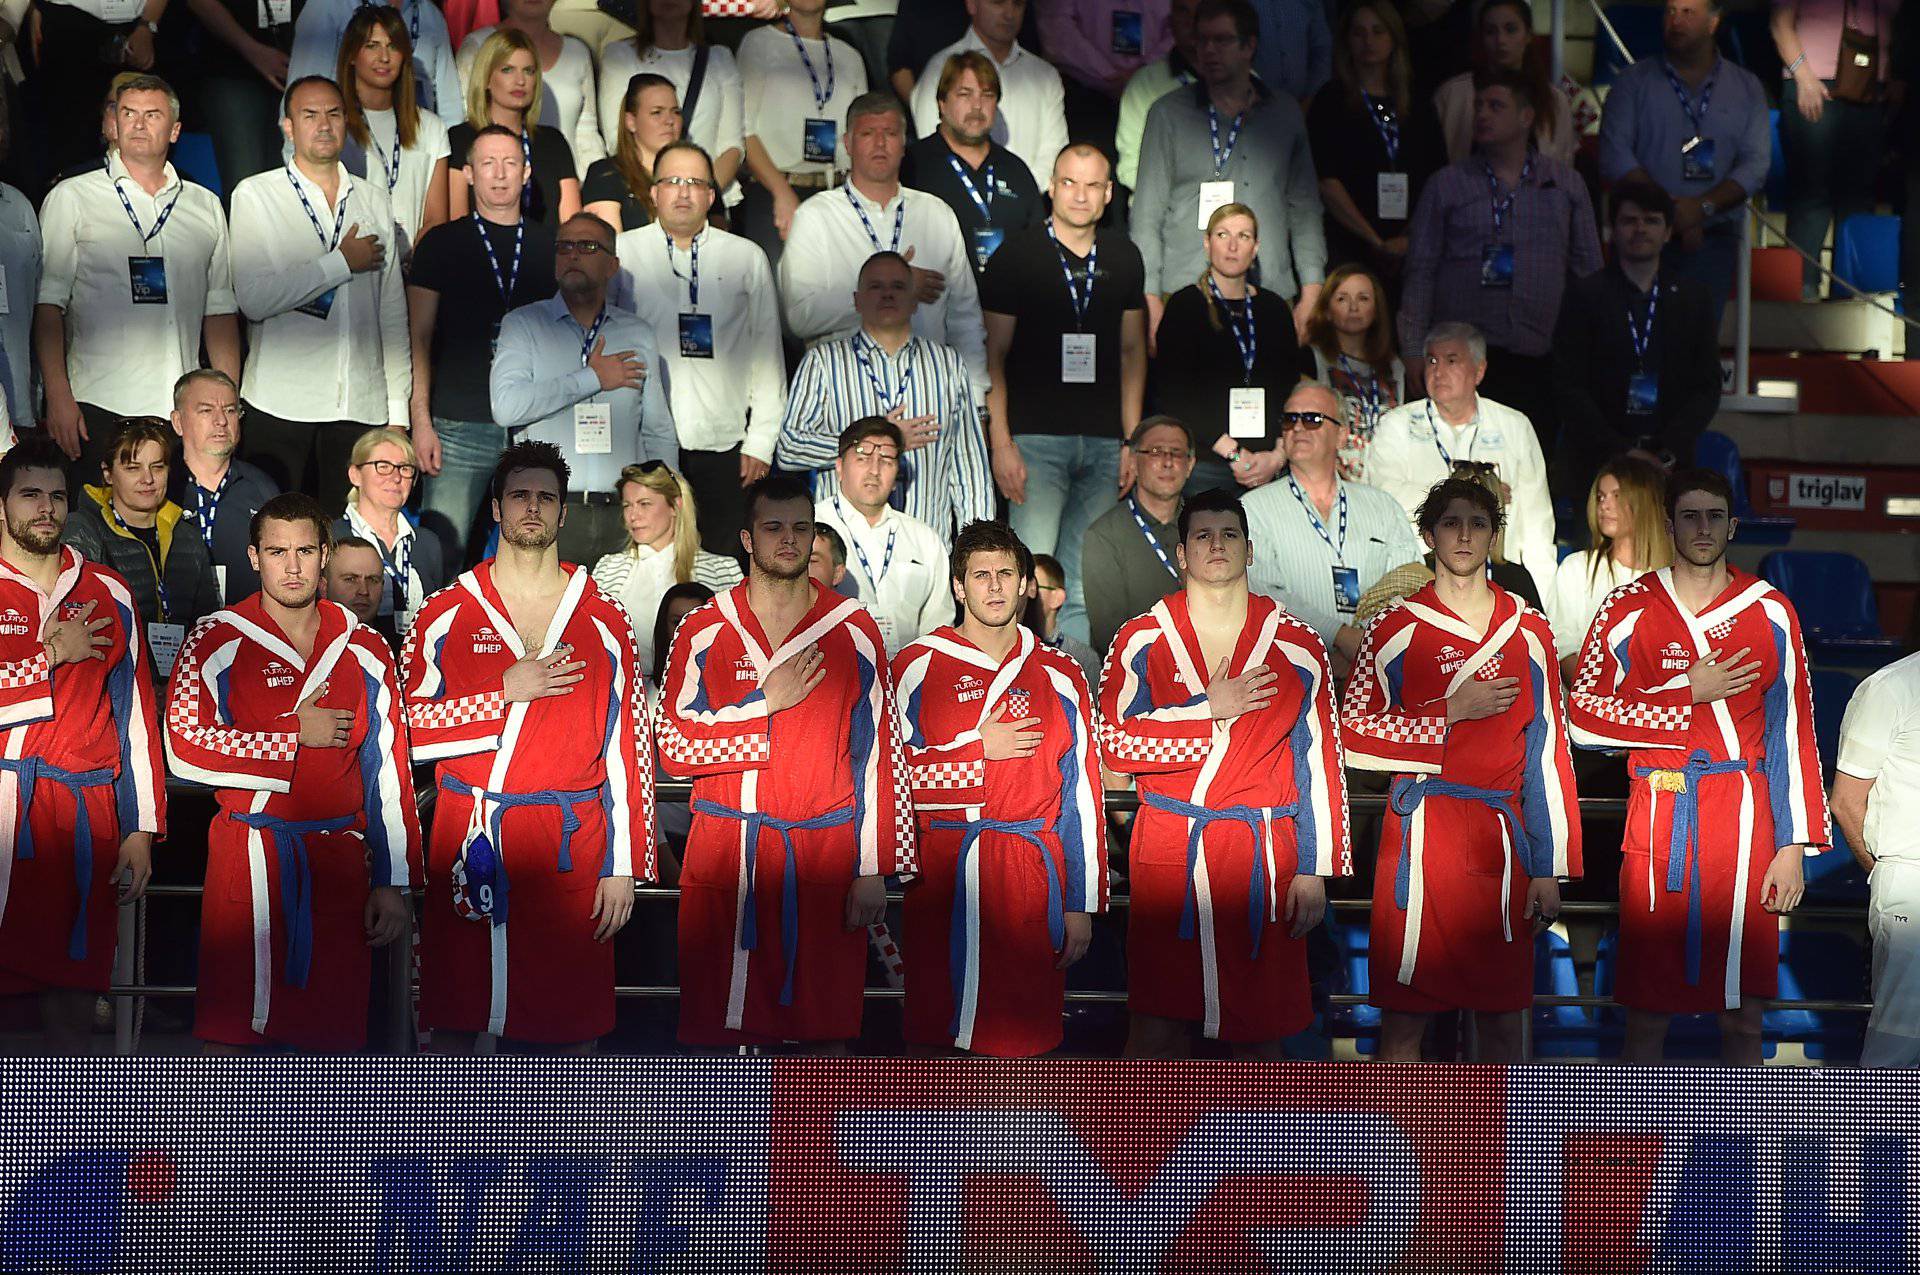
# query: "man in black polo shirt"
1636,353
1067,360
466,275
988,187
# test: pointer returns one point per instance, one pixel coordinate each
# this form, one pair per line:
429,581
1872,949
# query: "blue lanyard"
1643,337
983,202
1220,157
1699,120
1503,206
339,212
1440,447
1081,302
392,170
860,343
1153,542
1313,516
899,219
586,346
853,542
146,236
1387,124
399,569
413,25
206,505
1367,387
505,282
526,153
692,281
159,567
820,99
1249,344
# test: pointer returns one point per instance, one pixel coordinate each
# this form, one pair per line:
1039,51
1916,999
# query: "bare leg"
1149,1036
1646,1039
1258,1051
66,1020
440,1041
1500,1037
1740,1042
1400,1035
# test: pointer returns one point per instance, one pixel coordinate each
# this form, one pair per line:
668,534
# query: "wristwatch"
150,25
1708,208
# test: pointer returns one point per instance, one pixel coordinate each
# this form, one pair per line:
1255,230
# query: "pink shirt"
1818,23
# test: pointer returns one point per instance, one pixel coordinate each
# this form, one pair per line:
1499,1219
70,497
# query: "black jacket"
185,565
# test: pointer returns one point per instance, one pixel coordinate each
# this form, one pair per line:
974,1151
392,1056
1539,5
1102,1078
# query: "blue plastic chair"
1362,1022
1833,877
1639,26
1714,450
1560,1031
1834,595
1866,252
1832,688
1820,965
1776,186
193,159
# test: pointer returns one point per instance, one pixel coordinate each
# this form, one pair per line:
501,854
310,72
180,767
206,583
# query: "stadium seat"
193,159
1866,253
1362,1022
1833,877
1832,688
1820,965
1560,1031
1639,27
1834,595
1776,187
1721,454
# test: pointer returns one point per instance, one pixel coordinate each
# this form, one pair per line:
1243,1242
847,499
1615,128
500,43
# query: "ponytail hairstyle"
1219,215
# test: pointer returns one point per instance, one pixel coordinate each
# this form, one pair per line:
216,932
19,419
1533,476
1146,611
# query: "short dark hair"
870,427
492,130
836,547
530,454
775,488
33,451
881,101
135,432
682,145
1246,20
1448,490
886,256
1710,481
292,506
1161,422
1493,77
286,99
354,542
1645,195
987,536
1214,500
600,224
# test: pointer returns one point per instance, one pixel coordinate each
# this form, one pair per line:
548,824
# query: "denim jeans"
1831,164
1071,480
453,502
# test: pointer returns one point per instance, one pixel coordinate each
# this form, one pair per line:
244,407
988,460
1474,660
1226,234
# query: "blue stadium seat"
193,159
1362,1022
1560,1031
1820,965
1832,688
1639,26
1866,252
1776,186
1833,877
1714,450
1834,595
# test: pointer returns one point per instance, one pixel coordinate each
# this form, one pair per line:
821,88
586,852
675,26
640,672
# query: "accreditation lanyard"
1503,204
1220,156
1698,119
691,279
147,236
1248,342
1082,301
1153,541
389,167
159,566
592,334
820,99
505,282
899,220
1366,386
853,542
1387,124
860,344
206,505
399,569
413,23
1441,447
526,154
339,212
1313,516
1642,337
983,202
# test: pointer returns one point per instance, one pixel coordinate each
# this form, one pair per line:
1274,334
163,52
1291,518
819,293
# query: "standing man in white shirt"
834,233
19,285
896,562
322,23
328,356
1417,444
135,277
580,373
708,297
1032,122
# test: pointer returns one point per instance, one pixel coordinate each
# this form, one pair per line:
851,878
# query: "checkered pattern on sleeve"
1130,746
235,745
21,674
945,776
455,713
752,748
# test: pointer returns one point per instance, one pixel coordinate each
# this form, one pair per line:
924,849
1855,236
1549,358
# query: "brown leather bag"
1856,77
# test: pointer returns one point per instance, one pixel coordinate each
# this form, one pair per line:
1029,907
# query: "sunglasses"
1303,420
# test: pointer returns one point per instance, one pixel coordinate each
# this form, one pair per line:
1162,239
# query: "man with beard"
218,491
523,682
990,189
1700,671
290,709
783,867
82,792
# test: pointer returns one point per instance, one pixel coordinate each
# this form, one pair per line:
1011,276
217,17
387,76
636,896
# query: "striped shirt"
1296,558
948,483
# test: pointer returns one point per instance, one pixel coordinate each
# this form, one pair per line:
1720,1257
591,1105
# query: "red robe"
568,799
1015,892
77,743
283,949
1206,935
1743,772
1449,929
765,954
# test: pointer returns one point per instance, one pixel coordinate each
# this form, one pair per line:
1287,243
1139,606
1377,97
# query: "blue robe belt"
296,881
1683,838
564,802
30,771
1257,819
1027,830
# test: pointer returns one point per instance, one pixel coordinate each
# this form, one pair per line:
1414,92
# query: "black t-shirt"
452,261
1196,367
1014,201
1350,149
552,164
605,183
1025,280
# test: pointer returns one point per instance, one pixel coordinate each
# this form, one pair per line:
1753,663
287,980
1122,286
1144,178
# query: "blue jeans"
453,503
1071,480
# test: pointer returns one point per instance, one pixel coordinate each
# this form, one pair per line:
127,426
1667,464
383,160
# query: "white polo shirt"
19,285
780,96
899,565
354,364
124,355
1032,119
1880,740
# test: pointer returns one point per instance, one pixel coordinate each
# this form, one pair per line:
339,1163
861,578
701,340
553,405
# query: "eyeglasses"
585,247
1303,420
686,183
1166,455
867,451
388,468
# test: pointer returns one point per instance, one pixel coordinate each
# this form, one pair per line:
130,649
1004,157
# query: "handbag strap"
694,81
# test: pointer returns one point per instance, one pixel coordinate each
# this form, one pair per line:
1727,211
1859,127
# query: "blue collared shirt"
1644,126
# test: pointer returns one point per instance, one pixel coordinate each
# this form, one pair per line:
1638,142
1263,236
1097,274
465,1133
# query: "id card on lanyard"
1643,387
147,274
1220,190
1696,152
592,420
1079,350
695,328
1497,258
819,136
1392,194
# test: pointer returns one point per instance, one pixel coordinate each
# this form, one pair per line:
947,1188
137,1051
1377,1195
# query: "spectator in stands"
662,523
708,298
1295,53
1506,46
1501,260
315,272
20,259
316,49
128,523
1103,44
244,63
619,188
219,492
506,91
923,28
1032,117
1127,560
389,136
79,46
797,88
1372,148
1226,359
135,277
1151,83
1229,139
1419,443
1832,115
1695,125
989,188
1068,363
669,40
833,236
1627,537
679,601
1048,597
898,563
828,561
1351,345
413,566
1636,355
466,275
582,374
568,92
1323,541
885,370
354,579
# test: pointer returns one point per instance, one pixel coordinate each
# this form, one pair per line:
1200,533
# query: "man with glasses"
220,493
1326,541
897,562
1127,558
581,373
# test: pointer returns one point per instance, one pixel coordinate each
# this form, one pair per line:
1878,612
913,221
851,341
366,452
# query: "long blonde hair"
1220,214
1643,489
494,52
662,481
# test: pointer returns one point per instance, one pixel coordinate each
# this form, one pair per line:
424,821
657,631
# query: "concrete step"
1853,326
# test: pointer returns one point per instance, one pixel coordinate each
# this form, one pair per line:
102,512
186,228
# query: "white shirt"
1032,119
1578,590
737,396
898,564
717,122
353,365
19,285
1880,740
829,243
780,96
322,24
567,94
111,12
121,356
408,192
1408,457
639,577
401,550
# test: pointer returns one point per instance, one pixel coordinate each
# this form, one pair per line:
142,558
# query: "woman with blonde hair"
391,139
1627,530
1350,337
619,188
382,470
663,548
568,99
670,40
505,89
